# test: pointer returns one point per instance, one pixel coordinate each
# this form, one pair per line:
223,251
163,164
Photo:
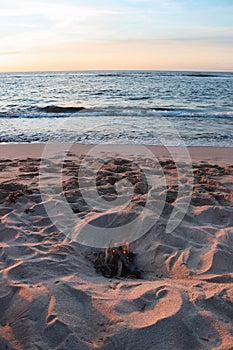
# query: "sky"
116,34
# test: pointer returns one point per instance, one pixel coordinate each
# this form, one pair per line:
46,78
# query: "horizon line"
119,70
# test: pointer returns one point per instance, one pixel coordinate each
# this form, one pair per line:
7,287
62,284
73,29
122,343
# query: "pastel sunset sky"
116,34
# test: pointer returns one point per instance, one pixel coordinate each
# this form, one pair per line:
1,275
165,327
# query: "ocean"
135,107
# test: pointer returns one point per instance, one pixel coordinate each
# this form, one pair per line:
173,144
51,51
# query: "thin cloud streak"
8,53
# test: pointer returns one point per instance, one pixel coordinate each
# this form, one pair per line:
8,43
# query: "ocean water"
143,107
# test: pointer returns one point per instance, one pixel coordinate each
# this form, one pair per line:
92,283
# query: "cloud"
6,53
56,10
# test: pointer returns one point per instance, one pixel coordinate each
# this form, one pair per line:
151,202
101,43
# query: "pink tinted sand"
51,296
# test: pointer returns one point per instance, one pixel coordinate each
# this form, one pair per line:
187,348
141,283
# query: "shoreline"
220,155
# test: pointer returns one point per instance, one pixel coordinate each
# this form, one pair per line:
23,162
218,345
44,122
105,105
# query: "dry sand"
50,294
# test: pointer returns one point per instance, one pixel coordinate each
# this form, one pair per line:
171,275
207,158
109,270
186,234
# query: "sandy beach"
51,296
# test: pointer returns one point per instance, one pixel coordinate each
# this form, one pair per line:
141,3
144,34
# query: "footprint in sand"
146,309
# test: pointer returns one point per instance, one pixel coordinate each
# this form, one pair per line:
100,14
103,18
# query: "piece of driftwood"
116,262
